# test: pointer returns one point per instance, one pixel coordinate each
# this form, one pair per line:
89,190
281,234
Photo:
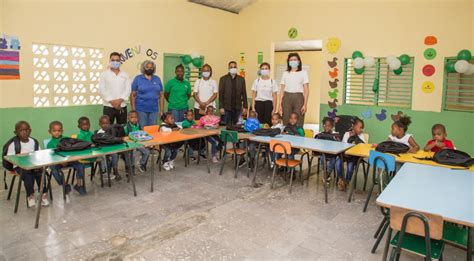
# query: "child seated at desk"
172,149
212,121
399,134
439,141
111,161
56,131
328,134
23,143
293,129
131,126
189,122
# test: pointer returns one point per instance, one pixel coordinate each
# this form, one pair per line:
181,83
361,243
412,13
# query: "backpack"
251,125
237,128
267,132
16,141
117,130
453,158
71,144
327,136
139,136
343,123
392,147
106,139
354,139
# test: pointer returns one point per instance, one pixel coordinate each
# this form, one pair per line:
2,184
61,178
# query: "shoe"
242,162
341,185
141,168
31,202
44,200
77,188
203,155
192,158
67,188
82,190
166,166
215,159
117,176
272,165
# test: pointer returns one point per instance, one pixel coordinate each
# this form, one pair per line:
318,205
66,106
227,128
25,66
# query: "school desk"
310,144
45,158
434,190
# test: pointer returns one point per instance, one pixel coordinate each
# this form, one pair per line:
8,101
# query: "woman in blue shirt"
147,90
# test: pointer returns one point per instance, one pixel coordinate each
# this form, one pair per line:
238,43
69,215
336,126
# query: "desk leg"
152,173
469,243
38,198
255,165
208,158
130,172
198,160
325,175
354,180
186,156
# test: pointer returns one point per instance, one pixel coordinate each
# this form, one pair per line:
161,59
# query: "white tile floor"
197,216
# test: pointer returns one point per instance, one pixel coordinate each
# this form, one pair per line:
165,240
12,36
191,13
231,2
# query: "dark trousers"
120,115
292,102
29,177
231,117
264,111
197,116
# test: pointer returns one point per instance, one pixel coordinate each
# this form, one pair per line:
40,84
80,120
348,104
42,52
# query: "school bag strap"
17,146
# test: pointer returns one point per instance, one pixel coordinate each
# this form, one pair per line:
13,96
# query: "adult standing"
232,95
177,93
205,92
294,89
264,95
147,93
115,88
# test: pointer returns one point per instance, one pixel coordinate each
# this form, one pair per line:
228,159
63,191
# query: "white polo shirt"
264,89
205,89
294,81
114,86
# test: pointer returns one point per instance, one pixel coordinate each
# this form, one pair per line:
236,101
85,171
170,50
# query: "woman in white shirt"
264,95
205,92
294,89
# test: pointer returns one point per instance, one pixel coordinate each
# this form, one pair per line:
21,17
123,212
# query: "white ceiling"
233,6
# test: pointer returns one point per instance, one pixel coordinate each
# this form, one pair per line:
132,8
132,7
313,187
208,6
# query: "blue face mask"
114,64
206,74
294,64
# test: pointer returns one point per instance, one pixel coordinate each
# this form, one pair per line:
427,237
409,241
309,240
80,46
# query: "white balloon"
470,71
369,61
394,64
461,66
390,58
358,63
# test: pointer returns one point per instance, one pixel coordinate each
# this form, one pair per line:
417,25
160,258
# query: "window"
458,90
394,90
66,75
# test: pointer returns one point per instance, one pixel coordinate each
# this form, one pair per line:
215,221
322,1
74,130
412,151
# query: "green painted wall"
459,125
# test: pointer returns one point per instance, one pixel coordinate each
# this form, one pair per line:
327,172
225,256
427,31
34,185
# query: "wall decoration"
431,40
450,67
9,57
396,117
428,70
333,104
332,114
333,84
292,33
428,87
369,61
260,58
461,66
333,94
367,114
333,74
381,116
186,59
333,44
242,72
242,58
464,55
333,63
429,54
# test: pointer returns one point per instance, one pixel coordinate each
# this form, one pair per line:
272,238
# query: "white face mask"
114,64
264,72
206,74
294,64
233,71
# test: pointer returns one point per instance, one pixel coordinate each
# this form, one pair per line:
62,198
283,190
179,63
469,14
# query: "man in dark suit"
232,95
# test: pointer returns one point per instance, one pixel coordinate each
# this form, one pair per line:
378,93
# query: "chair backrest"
229,136
45,143
389,159
151,129
74,136
415,222
281,146
366,137
308,133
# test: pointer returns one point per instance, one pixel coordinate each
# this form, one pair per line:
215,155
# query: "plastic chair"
419,233
283,147
232,137
386,164
151,129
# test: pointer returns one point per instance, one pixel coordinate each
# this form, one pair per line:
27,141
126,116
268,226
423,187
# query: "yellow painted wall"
314,60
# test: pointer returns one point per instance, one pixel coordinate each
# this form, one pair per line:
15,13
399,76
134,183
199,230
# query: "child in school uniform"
328,134
111,161
23,143
292,128
171,150
355,136
439,141
276,124
212,121
399,134
56,131
84,126
189,122
131,126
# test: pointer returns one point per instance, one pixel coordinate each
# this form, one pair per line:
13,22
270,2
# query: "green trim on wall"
458,124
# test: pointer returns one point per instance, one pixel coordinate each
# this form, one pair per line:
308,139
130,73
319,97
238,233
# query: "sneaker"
67,188
77,188
44,200
31,202
141,168
192,158
341,185
82,190
166,166
272,165
117,177
242,162
215,159
171,164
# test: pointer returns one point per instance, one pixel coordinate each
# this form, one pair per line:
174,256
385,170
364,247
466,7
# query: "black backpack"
237,128
453,158
343,123
117,130
104,139
392,147
327,136
354,139
267,132
16,141
71,144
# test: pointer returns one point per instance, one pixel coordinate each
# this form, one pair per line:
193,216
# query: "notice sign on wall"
9,57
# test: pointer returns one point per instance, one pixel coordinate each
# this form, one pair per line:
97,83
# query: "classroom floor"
197,216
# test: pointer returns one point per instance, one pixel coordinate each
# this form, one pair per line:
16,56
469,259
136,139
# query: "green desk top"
48,157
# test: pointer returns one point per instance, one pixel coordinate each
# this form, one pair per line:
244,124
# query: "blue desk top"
435,190
324,146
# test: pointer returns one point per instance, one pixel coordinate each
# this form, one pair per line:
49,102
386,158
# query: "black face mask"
149,71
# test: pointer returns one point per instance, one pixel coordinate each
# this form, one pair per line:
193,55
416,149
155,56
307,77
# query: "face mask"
114,64
206,74
294,64
149,71
264,72
233,71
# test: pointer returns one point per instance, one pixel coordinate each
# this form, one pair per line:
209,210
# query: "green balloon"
450,67
359,71
398,71
197,62
404,59
376,85
464,55
357,54
186,59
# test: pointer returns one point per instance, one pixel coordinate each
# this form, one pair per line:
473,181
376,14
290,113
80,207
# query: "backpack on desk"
16,141
104,139
453,157
392,147
71,144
